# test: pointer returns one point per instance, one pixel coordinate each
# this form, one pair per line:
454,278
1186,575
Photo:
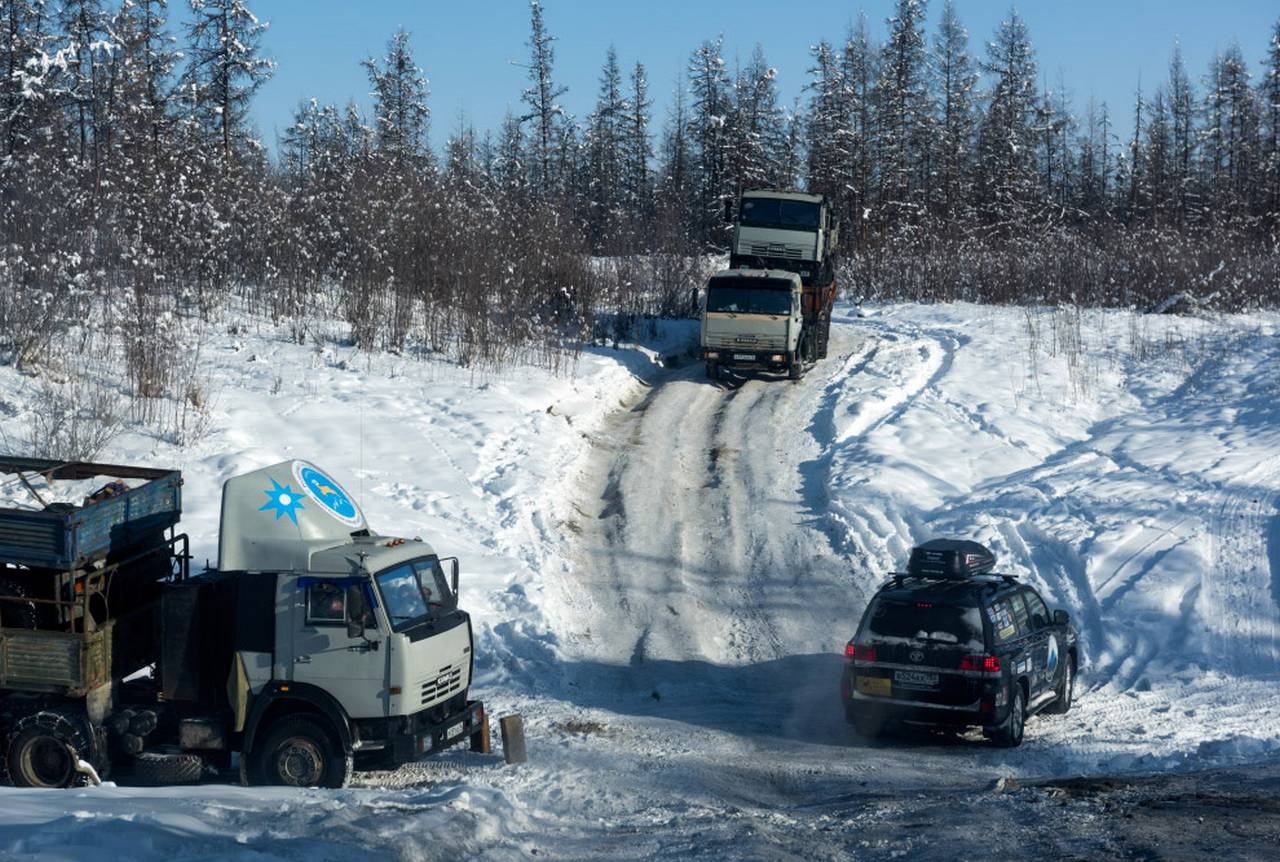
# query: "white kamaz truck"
771,310
317,646
784,230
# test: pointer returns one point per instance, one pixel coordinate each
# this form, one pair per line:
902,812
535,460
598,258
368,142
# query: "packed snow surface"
663,572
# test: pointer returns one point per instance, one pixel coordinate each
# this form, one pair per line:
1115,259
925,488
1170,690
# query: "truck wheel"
713,370
159,768
45,748
824,338
16,610
299,753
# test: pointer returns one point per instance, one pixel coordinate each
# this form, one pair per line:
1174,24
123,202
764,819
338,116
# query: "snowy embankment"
663,589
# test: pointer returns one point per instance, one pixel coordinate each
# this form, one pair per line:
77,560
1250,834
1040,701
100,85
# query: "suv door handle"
302,659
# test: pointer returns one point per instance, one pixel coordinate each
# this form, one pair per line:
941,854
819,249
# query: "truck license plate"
455,730
915,678
744,356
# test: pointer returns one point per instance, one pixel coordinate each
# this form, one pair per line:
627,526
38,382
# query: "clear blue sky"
467,48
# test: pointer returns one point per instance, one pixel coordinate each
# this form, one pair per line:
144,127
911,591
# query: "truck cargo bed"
71,537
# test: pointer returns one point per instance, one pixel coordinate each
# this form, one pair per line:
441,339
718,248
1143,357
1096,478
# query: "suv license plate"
748,357
915,677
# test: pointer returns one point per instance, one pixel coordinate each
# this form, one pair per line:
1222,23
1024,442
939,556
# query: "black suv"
949,643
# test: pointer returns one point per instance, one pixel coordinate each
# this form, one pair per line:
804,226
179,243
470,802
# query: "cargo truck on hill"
315,647
771,310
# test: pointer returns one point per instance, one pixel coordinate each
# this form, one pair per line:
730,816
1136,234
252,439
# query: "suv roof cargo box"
952,559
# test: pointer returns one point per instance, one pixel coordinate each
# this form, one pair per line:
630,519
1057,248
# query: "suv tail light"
982,663
861,653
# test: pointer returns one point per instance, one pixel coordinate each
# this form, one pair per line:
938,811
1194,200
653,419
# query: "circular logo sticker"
1053,654
328,493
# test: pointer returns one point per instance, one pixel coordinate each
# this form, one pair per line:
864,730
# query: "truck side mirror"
1061,617
728,210
453,576
355,629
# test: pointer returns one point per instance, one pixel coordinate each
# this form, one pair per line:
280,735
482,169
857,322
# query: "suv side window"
1039,614
1019,613
1003,626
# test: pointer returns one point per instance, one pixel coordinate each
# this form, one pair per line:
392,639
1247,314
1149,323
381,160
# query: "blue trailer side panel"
71,540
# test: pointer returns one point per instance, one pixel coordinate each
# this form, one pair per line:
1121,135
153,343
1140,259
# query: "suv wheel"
1062,702
1008,733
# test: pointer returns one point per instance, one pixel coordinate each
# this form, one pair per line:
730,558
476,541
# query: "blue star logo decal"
283,501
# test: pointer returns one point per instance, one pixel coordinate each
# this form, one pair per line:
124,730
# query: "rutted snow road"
730,536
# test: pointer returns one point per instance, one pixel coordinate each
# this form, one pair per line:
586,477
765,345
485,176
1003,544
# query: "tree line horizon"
133,189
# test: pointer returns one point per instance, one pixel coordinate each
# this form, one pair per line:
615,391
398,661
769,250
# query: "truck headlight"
712,354
777,357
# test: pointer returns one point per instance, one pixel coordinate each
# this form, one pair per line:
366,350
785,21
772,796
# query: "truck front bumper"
422,737
726,357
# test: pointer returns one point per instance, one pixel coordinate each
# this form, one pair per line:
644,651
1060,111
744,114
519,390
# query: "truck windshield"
749,296
779,213
415,591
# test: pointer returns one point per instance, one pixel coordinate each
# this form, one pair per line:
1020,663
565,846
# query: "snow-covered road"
664,572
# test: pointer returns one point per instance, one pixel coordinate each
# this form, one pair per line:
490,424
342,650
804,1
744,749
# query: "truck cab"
789,230
753,320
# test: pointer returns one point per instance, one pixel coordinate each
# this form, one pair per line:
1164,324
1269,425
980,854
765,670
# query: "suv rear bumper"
983,712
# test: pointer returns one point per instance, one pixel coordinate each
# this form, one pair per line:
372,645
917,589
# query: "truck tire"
16,609
713,370
45,746
158,768
824,338
299,752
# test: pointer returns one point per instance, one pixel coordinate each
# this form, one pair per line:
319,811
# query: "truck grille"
448,682
764,249
728,342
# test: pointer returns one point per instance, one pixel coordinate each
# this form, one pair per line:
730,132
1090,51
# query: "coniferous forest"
136,196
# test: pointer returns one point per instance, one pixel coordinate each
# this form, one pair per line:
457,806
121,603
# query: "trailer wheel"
45,748
300,753
16,609
161,768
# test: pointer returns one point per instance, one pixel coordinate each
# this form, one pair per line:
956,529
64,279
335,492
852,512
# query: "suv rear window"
890,622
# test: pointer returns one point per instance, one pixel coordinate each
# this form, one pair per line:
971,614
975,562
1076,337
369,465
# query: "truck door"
352,669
